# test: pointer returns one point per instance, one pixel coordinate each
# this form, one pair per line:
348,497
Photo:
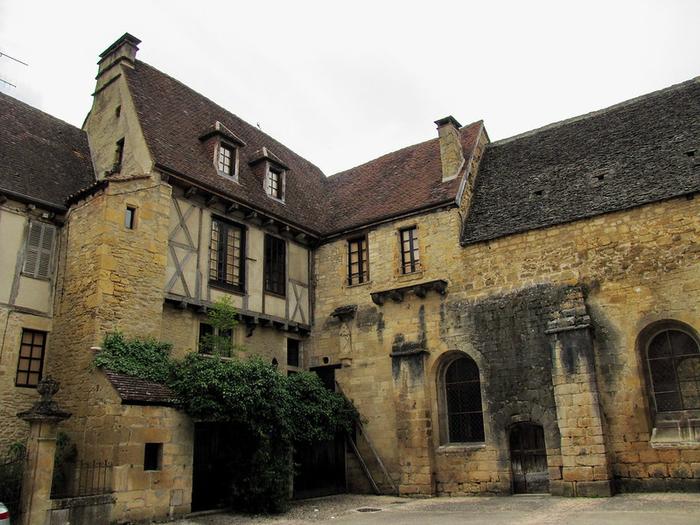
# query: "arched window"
673,358
462,391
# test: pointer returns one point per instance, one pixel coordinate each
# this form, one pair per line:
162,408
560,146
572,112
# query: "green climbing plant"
269,412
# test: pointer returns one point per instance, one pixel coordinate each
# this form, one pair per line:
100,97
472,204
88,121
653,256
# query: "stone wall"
633,268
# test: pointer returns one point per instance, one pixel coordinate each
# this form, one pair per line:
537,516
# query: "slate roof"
173,117
624,156
137,391
401,182
42,158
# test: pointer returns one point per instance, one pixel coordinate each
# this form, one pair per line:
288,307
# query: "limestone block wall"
110,279
634,267
119,434
180,327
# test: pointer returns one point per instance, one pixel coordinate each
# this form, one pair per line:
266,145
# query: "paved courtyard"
631,509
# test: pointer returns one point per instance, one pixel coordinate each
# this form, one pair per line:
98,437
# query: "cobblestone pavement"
629,509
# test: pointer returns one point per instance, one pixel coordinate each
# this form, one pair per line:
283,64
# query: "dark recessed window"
118,110
275,262
673,358
293,352
226,255
410,258
119,154
465,420
153,456
215,341
31,358
275,183
130,217
358,261
226,160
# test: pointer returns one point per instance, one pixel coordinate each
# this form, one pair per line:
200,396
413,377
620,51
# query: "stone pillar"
43,419
586,469
414,424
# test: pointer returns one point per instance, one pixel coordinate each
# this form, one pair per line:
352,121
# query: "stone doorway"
528,459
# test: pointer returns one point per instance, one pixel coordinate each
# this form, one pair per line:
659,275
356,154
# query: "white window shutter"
39,251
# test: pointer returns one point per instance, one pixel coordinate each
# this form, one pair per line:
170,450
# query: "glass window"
275,264
358,261
673,358
226,254
226,160
31,358
465,420
275,183
410,258
130,217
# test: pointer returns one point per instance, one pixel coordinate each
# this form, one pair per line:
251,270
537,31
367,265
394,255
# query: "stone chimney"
451,153
122,51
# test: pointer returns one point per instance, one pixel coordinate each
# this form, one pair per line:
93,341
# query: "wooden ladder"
363,463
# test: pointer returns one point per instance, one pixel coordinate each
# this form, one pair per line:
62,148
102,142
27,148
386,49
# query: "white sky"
344,82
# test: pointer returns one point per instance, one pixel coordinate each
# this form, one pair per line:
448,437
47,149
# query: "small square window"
153,456
130,218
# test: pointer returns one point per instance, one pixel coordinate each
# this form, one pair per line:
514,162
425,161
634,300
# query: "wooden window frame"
233,160
275,266
410,259
277,190
362,274
221,280
30,359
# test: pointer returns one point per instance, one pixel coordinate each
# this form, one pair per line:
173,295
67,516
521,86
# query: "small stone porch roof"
137,391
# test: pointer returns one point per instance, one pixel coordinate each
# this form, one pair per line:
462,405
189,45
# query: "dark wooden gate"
528,458
211,476
320,468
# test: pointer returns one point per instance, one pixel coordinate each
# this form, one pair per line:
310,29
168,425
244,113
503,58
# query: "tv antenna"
14,59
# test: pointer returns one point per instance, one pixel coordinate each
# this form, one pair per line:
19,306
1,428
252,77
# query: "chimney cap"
448,120
126,38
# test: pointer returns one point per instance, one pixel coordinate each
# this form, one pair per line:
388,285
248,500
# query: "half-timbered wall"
187,275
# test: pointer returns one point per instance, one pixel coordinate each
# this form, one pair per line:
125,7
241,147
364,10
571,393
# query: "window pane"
668,402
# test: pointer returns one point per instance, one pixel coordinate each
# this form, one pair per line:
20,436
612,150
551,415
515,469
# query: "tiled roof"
173,118
137,391
631,154
42,158
395,184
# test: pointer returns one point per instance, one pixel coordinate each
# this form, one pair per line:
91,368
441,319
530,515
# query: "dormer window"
275,183
226,161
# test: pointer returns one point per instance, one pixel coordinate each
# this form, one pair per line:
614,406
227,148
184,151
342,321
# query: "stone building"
511,316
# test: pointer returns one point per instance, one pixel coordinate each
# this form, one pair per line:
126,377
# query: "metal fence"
11,470
86,478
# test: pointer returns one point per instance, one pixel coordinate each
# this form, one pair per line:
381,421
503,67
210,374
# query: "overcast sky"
344,82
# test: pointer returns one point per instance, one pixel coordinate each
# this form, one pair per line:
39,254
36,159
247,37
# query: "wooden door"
528,457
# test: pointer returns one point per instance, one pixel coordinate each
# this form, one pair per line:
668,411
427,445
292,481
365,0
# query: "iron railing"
86,478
